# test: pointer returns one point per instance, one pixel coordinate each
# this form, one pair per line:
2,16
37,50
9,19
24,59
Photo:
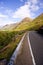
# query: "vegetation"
8,43
9,38
5,38
6,54
33,25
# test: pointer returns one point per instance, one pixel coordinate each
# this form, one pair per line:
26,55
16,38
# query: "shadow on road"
40,32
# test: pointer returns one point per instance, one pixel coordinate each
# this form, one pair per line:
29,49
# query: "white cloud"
9,12
34,1
3,16
34,7
5,19
27,10
4,22
28,3
22,12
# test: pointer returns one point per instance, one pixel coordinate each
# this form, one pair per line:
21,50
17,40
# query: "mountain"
35,24
27,19
26,24
0,27
38,22
23,25
9,27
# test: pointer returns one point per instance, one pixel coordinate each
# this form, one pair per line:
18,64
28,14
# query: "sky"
13,11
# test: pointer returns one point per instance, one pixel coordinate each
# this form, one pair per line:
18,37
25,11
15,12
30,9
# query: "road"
36,42
24,58
31,52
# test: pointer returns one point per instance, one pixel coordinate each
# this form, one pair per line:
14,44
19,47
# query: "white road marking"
34,63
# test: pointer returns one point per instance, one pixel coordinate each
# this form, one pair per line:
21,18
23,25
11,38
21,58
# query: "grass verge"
6,54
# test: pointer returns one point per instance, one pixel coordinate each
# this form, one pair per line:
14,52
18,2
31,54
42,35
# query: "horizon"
13,11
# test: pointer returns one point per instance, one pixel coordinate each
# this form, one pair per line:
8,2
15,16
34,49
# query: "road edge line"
34,63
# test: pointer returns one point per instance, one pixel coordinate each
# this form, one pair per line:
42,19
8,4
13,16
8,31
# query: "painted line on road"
34,63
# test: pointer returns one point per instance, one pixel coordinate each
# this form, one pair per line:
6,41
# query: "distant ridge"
9,27
26,24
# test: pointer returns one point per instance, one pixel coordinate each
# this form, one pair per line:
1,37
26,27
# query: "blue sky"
13,11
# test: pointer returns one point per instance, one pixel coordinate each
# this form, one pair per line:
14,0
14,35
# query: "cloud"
22,12
34,1
3,16
5,21
27,10
9,12
2,23
34,8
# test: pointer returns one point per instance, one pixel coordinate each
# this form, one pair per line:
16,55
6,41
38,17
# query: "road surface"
24,58
31,51
36,42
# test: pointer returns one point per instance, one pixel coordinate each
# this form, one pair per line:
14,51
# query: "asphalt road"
36,41
24,58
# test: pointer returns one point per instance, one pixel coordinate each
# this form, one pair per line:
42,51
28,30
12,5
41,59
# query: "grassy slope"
6,37
6,54
8,42
34,25
37,22
23,25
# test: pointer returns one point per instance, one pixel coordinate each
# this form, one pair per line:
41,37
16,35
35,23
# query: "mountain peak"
26,19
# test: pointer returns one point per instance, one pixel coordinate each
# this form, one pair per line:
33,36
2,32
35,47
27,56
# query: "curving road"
36,41
24,58
31,52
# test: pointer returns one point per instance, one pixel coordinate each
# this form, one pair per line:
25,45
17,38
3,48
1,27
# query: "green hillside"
33,25
8,43
5,38
24,24
37,22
